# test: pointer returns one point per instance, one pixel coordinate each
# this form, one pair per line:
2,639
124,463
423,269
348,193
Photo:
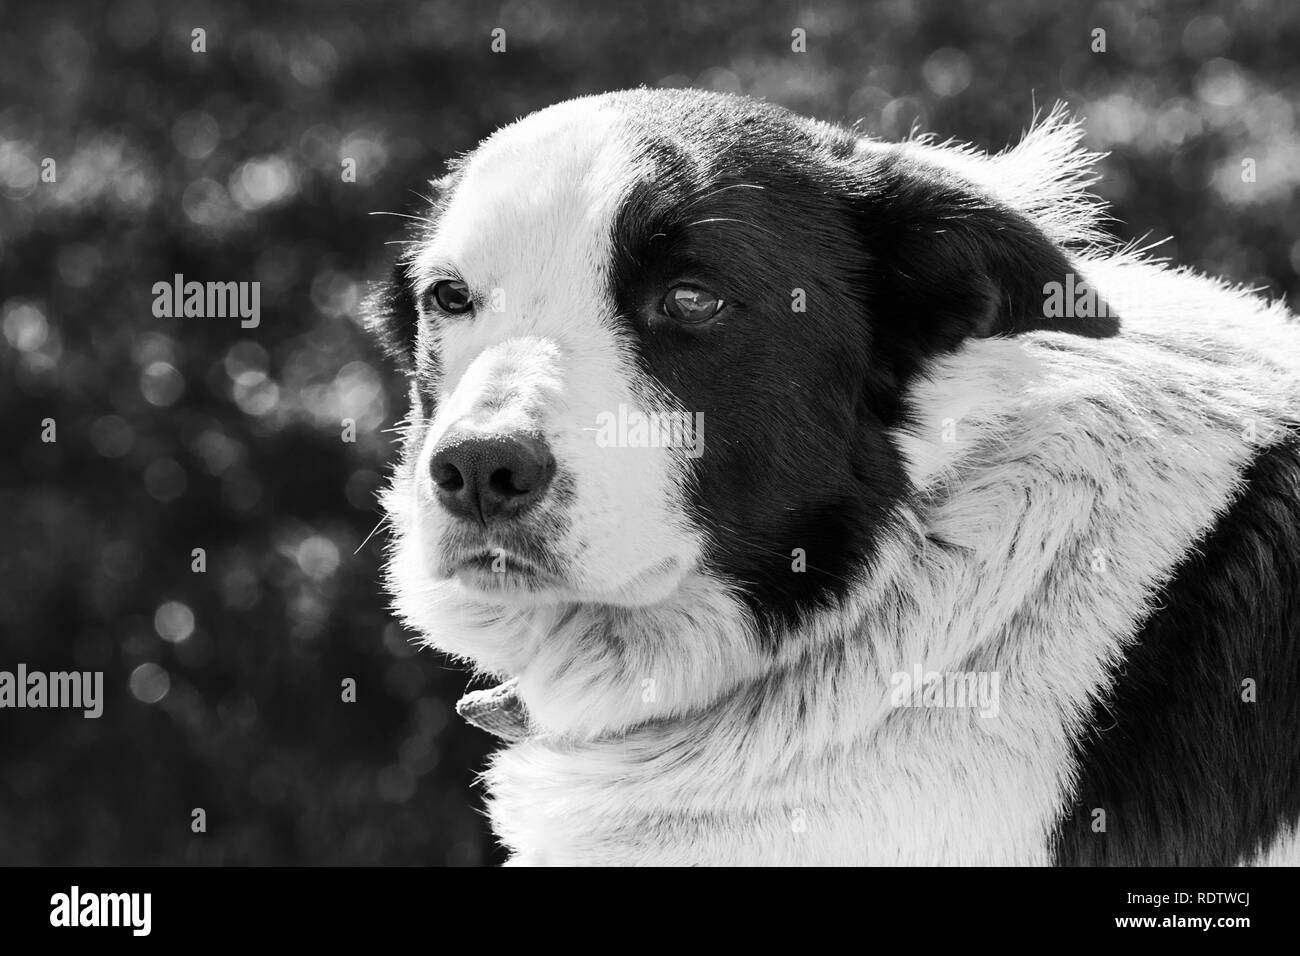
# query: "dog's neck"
590,671
610,691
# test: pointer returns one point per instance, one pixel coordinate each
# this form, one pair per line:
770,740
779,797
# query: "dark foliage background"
223,688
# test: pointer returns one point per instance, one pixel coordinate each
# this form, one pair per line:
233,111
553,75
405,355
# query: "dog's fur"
920,469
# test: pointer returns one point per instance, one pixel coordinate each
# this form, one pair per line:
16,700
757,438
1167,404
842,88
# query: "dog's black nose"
490,477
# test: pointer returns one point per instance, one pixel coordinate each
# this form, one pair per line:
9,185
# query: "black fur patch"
894,262
948,265
1188,773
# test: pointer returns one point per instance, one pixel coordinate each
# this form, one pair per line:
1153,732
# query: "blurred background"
223,688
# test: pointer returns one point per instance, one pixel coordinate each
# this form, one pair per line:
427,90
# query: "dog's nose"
490,477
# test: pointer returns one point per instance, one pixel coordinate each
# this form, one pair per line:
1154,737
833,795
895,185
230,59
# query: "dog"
823,500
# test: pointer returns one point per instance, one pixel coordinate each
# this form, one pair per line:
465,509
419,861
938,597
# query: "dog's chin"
515,583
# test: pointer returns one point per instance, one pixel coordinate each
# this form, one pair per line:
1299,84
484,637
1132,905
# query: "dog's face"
658,335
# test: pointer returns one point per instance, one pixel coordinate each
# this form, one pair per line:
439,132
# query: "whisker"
741,222
382,519
721,189
402,215
401,428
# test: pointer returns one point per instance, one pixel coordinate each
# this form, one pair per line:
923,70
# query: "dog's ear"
948,263
390,314
389,309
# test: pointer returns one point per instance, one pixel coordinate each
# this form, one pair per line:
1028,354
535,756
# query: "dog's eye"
691,305
450,296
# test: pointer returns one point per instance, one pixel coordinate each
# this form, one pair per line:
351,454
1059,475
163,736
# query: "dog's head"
659,343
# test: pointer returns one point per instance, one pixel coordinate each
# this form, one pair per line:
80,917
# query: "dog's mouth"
512,565
499,569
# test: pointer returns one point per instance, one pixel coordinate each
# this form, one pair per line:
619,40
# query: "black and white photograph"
577,434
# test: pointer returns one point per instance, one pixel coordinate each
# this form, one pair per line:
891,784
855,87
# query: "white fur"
1284,851
1040,536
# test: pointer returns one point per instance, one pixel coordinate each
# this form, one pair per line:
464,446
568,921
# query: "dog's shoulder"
1190,756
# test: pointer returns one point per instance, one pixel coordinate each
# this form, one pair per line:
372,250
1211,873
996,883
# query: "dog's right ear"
390,314
390,310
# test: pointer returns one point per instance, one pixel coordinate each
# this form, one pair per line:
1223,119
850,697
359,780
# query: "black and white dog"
827,500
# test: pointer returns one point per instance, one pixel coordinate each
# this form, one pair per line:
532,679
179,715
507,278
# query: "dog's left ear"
948,263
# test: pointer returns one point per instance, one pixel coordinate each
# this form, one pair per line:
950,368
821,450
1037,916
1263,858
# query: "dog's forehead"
544,190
